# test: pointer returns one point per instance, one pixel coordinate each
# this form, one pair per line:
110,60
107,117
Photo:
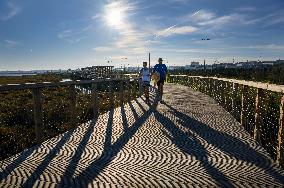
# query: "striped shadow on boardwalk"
188,141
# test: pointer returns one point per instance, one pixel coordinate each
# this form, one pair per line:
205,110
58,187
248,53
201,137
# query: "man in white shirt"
145,76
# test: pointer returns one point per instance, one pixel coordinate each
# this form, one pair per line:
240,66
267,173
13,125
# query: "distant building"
96,72
194,63
279,61
268,63
230,66
193,66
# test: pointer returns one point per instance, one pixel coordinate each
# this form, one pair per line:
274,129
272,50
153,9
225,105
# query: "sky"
63,34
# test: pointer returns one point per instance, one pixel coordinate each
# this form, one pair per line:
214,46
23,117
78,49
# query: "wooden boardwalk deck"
190,141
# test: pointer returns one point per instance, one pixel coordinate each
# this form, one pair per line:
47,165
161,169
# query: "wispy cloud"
96,16
191,50
274,47
220,21
152,18
246,9
275,18
173,30
11,43
176,1
202,15
12,11
103,49
74,35
264,20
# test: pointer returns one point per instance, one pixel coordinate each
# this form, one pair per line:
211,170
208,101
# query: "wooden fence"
37,88
257,106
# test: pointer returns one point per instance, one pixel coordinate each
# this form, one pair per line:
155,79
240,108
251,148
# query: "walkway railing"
37,107
257,106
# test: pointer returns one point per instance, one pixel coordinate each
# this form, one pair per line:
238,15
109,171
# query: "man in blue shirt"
162,70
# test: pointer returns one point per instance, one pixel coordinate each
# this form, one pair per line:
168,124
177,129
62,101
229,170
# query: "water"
66,80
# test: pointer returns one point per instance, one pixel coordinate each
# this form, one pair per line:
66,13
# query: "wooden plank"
260,85
210,87
280,143
95,100
258,121
38,115
12,87
228,92
243,104
207,85
221,91
234,96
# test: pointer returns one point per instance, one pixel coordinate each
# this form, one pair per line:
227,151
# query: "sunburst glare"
114,15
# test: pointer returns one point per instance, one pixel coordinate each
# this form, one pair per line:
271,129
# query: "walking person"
145,76
162,70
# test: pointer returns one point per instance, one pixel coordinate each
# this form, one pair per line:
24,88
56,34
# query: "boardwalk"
190,141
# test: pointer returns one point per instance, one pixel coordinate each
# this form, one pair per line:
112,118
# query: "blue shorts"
161,81
146,83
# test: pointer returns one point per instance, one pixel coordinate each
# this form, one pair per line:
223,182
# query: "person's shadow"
190,145
110,149
228,144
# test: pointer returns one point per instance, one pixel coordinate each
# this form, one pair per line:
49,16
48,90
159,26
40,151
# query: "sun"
114,14
114,17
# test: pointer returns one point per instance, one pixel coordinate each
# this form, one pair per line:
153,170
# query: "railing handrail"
36,89
259,85
11,87
225,92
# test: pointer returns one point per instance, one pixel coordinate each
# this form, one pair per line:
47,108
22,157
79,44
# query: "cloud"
173,30
246,9
191,50
266,20
275,18
13,10
152,18
177,1
223,20
74,35
274,47
103,49
10,43
96,16
207,19
202,15
123,5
